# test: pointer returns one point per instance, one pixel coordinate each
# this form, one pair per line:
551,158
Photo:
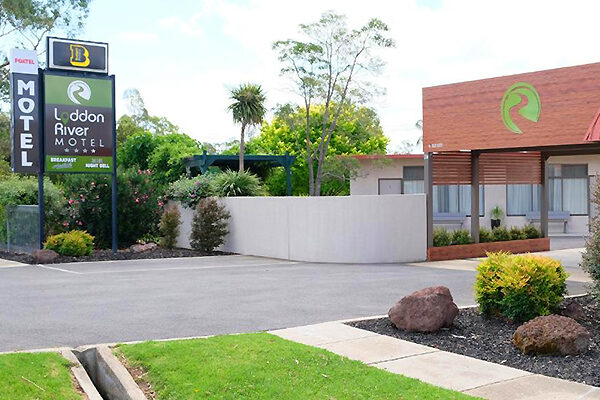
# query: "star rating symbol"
66,150
85,150
93,150
76,150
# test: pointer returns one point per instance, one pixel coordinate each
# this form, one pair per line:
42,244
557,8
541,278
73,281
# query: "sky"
184,56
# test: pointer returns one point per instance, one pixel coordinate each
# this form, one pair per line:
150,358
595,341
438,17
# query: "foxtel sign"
25,121
78,123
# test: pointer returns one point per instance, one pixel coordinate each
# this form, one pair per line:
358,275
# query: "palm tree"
248,109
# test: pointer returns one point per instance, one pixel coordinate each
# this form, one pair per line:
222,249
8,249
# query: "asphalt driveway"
104,302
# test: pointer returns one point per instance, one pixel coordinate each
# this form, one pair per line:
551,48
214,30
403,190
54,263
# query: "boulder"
573,310
140,248
551,334
426,310
44,256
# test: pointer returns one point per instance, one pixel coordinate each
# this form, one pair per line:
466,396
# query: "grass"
40,376
264,366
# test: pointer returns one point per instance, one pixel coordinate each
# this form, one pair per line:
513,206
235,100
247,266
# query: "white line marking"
120,271
59,269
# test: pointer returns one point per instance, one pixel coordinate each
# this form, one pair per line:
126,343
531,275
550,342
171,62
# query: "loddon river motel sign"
63,117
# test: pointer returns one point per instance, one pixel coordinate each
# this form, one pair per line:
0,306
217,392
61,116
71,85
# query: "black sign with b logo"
77,55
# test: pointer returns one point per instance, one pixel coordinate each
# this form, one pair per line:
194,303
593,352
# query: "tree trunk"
242,147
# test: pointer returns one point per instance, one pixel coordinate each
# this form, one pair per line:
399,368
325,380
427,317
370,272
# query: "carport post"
475,196
429,196
544,196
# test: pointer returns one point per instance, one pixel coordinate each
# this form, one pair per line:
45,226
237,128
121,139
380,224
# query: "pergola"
503,130
204,161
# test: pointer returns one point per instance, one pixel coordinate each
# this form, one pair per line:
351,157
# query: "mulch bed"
490,339
107,255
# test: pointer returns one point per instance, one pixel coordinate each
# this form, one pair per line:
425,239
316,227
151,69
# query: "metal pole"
544,197
429,197
475,196
42,161
288,174
114,175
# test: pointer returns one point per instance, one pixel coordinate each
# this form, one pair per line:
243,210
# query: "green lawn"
21,372
264,366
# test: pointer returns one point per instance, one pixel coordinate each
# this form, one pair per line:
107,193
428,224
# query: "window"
390,186
522,198
567,190
414,180
455,199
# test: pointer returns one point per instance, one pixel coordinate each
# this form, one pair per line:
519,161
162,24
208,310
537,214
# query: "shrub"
590,262
188,191
169,226
500,234
461,236
441,237
520,287
233,183
139,205
531,232
73,243
485,235
209,225
517,234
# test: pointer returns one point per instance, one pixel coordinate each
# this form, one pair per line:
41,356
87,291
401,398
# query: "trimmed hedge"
73,243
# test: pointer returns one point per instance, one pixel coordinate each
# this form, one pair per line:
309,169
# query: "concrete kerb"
80,374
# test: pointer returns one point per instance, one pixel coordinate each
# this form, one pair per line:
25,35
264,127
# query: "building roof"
387,156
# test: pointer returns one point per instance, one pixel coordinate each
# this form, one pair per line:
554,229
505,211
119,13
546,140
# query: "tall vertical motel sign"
63,117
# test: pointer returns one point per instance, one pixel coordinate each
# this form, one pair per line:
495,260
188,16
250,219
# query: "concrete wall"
359,229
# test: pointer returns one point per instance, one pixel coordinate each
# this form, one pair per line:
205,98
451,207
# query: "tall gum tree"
331,68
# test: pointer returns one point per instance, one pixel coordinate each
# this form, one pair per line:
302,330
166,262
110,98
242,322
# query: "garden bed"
490,339
107,255
480,249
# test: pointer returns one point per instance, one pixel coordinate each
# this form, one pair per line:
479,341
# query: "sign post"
64,116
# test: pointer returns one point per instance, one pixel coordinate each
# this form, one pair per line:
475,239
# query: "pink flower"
65,223
79,223
71,201
137,200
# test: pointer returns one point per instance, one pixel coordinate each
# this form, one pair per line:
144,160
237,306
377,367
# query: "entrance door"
390,186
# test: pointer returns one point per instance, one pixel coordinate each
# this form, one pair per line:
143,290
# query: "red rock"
551,334
426,310
44,256
574,310
140,248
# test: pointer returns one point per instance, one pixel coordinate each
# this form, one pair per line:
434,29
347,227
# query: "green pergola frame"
204,160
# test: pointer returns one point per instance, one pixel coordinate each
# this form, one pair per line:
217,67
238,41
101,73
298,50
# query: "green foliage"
497,212
73,243
188,191
233,183
461,236
89,205
500,234
136,150
169,226
126,128
166,160
590,262
209,226
485,235
264,366
520,287
23,190
358,131
517,233
441,237
531,232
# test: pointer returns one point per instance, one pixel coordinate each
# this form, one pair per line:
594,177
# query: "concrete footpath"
449,370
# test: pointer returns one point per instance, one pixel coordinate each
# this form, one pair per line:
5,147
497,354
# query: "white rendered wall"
349,229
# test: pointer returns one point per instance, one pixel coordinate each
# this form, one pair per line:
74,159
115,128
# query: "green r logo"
513,97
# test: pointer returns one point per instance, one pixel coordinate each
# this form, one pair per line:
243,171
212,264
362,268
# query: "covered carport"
503,130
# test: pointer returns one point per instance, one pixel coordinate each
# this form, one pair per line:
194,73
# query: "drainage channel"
111,378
